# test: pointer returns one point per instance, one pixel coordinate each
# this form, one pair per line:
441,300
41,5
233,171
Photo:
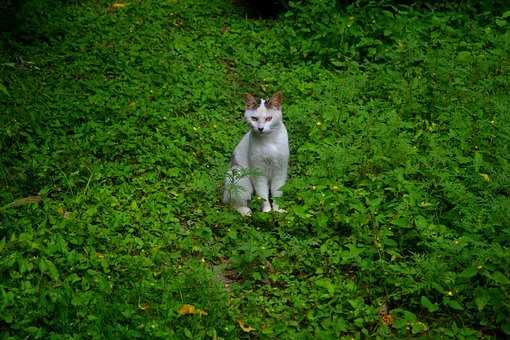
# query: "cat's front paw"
277,209
245,211
266,206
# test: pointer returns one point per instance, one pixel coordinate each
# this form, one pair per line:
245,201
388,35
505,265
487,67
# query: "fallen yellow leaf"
190,309
244,326
117,5
485,177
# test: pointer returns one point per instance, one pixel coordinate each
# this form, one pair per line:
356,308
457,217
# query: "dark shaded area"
10,14
264,9
271,9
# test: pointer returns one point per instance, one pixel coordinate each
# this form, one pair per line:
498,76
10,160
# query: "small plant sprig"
234,176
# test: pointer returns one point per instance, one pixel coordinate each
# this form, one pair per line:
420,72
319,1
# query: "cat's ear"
276,101
250,102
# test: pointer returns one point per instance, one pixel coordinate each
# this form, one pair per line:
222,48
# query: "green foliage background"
122,120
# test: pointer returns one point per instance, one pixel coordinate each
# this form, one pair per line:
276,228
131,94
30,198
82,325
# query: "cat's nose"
261,129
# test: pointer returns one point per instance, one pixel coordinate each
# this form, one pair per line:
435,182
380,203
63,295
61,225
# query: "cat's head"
263,116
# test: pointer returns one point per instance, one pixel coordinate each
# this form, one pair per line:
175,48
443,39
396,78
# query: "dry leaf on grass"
24,201
115,6
244,326
190,309
486,177
388,320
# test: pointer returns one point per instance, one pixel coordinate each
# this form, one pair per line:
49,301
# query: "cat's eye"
254,119
268,119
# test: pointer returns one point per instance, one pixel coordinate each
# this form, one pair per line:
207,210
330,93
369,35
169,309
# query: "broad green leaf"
3,89
73,278
501,22
454,304
326,283
469,272
6,316
134,205
419,327
421,222
187,333
481,301
499,278
506,328
76,300
402,222
32,329
52,270
432,307
409,316
464,57
43,266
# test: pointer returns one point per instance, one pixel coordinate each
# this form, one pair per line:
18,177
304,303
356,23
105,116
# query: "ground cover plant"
116,126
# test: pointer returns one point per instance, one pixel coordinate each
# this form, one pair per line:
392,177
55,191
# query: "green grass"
122,122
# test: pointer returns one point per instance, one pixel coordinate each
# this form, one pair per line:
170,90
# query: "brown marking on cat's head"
275,102
250,102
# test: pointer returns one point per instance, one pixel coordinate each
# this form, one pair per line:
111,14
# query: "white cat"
260,160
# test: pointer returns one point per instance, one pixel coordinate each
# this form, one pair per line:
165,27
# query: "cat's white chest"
269,155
